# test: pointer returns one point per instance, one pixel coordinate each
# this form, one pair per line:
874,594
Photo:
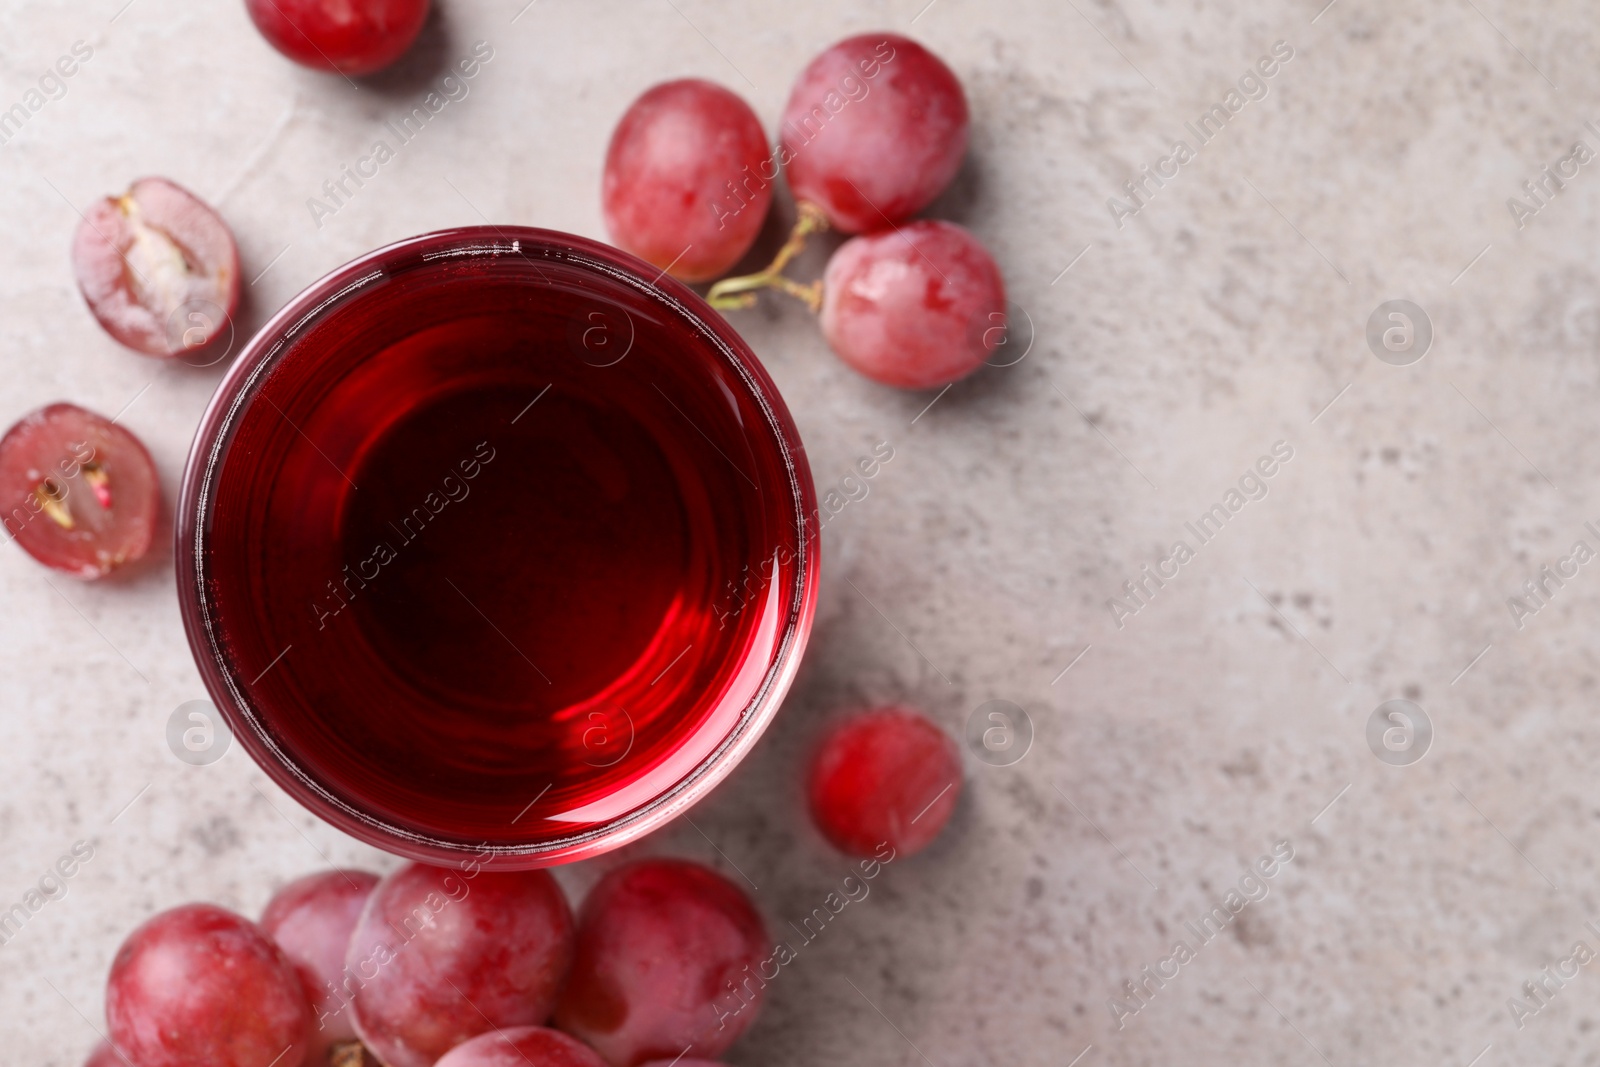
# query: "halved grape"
159,268
522,1046
199,986
77,492
442,956
688,179
667,964
889,776
353,37
875,128
915,307
311,919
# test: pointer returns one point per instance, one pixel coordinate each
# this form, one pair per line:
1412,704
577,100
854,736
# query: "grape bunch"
874,130
465,967
476,967
459,967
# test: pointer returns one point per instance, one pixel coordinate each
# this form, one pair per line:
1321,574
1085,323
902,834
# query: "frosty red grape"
352,37
311,920
665,948
77,492
889,775
199,986
441,956
915,307
523,1046
688,179
158,268
874,129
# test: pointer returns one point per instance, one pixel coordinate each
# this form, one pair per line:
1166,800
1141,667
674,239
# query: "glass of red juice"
497,541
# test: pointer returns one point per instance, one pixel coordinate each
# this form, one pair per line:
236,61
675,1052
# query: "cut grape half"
158,268
77,492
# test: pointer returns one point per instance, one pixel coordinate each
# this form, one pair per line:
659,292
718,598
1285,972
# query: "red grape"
442,956
159,269
523,1046
889,775
688,179
875,128
311,920
199,986
77,492
665,948
104,1055
916,307
352,37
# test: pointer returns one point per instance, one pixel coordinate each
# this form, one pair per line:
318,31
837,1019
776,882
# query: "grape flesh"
523,1046
199,986
353,37
916,307
77,492
887,776
441,956
311,920
667,964
874,129
688,179
158,268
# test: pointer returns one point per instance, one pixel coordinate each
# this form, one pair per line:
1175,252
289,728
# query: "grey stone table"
1213,709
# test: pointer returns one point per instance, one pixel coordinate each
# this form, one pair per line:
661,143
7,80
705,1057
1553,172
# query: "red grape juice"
501,545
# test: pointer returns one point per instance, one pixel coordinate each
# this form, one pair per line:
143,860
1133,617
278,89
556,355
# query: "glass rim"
239,388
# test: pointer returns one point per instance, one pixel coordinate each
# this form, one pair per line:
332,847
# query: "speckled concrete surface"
1227,715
